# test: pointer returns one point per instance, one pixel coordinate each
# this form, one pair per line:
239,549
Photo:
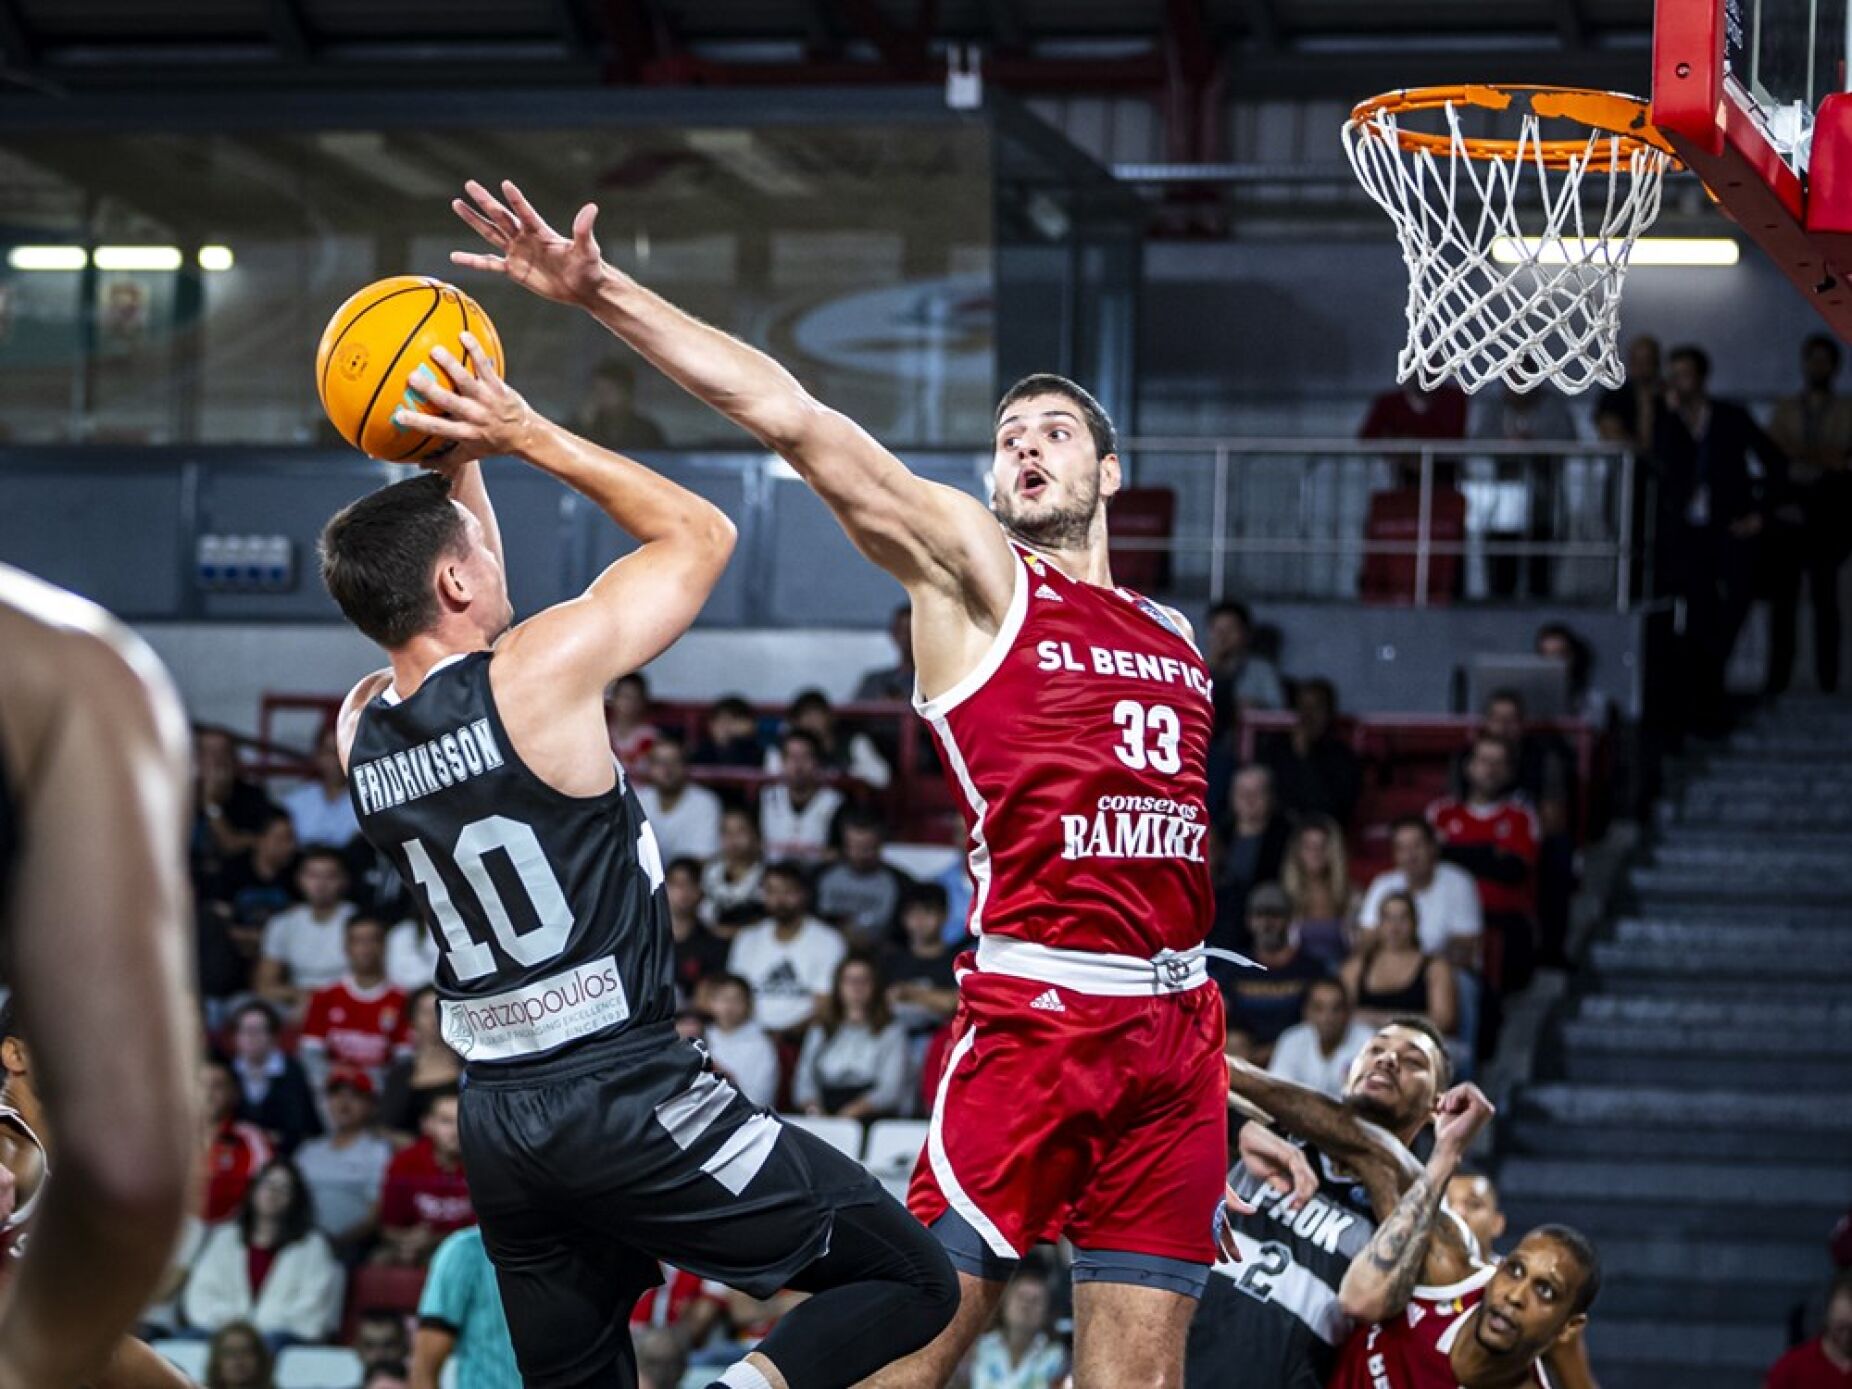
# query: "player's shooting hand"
1458,1116
567,270
483,414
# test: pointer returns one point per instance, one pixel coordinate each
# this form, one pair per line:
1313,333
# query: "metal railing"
1555,518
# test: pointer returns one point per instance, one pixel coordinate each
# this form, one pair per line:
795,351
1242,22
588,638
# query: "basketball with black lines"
373,345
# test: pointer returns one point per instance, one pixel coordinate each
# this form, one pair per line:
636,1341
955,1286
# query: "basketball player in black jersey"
596,1141
95,938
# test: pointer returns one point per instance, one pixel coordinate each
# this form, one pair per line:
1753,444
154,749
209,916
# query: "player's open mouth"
1382,1078
1504,1326
1031,484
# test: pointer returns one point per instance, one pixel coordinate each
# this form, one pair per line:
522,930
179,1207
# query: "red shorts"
1102,1118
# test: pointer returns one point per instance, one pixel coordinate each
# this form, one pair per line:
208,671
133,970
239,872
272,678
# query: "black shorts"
587,1170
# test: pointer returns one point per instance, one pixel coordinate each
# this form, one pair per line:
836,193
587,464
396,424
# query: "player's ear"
1572,1328
1111,475
453,586
13,1056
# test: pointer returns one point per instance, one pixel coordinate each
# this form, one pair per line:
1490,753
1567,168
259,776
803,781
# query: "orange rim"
1626,117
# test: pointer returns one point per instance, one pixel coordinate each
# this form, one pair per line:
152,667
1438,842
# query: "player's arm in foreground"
1371,1153
940,543
1404,1251
98,947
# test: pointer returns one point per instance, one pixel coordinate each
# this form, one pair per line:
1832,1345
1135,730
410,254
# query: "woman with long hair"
270,1266
1316,877
854,1061
1390,977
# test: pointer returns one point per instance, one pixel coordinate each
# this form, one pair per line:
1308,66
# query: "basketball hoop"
1511,277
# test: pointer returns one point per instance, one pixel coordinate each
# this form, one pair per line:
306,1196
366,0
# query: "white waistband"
1088,972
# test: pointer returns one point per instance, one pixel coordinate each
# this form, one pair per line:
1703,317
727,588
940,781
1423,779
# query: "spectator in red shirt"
1493,834
426,1196
684,1302
626,714
360,1021
233,1152
1408,412
1826,1361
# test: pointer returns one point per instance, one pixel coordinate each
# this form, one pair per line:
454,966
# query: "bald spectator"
797,812
1314,770
684,817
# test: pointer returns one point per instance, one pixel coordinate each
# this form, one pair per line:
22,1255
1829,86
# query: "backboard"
1753,96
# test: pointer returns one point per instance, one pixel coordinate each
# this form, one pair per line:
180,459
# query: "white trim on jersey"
977,857
390,695
955,1195
1297,1289
932,710
1473,1281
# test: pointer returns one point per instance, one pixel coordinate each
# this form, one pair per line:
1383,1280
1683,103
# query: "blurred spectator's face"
1025,1306
1313,708
739,837
816,719
660,1358
1687,379
689,1027
1228,638
731,1005
1530,1299
220,1092
1554,646
924,925
276,844
1328,1010
272,1193
253,1037
801,772
240,1364
1397,924
1270,930
683,887
858,988
1252,798
729,726
1475,1200
1838,1330
348,1109
322,882
1819,366
425,1025
385,1379
1395,1078
1488,770
861,848
440,1126
1642,360
627,701
1415,855
216,760
1314,851
784,899
366,948
1503,721
668,767
328,760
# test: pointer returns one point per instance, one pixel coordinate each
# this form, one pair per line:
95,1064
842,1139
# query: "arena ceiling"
1272,48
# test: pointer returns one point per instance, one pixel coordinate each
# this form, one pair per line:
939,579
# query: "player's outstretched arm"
641,603
924,534
1372,1153
96,942
1414,1244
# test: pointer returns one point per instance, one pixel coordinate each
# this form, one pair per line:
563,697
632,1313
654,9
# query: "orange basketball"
374,343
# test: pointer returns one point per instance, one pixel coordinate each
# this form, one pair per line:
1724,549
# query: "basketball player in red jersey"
94,934
1085,1088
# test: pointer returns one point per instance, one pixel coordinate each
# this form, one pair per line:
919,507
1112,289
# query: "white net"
1515,260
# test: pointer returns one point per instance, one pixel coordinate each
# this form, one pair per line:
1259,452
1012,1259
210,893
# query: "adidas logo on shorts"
1050,1002
1046,592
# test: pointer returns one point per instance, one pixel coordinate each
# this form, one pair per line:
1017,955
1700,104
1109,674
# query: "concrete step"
1773,857
1661,1375
1684,1354
1695,835
1772,882
1608,1221
1773,1011
1829,918
1710,1042
1757,1188
1734,813
1587,1064
1705,1109
1774,958
1530,1137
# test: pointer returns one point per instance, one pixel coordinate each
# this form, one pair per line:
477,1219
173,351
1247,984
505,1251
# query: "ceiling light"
47,258
137,258
215,258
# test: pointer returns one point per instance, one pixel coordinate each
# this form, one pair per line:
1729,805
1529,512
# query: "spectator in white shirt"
321,810
1446,897
738,1046
797,812
305,947
731,880
270,1267
854,1061
1318,1051
790,958
346,1169
685,817
411,956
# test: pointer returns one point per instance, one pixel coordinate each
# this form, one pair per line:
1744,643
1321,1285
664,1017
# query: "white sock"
744,1376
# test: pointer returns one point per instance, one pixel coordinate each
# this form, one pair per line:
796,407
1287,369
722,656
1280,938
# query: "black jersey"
547,909
1272,1321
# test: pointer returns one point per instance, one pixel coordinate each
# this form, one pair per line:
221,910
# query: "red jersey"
680,1291
1501,845
13,1228
355,1026
237,1154
421,1191
1078,753
1411,1351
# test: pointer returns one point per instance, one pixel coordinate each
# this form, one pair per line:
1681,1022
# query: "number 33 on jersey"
1077,750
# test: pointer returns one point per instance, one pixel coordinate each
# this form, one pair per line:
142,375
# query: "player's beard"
1052,527
1367,1106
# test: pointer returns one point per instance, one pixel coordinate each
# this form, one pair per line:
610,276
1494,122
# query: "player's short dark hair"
1582,1249
804,736
1413,822
1414,1022
1099,423
377,555
791,871
1822,342
1697,356
930,895
1506,695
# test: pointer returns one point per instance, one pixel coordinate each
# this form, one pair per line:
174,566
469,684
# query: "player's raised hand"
483,414
1276,1163
565,269
1458,1116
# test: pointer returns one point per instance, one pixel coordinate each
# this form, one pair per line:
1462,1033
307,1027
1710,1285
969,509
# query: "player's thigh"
1129,1337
